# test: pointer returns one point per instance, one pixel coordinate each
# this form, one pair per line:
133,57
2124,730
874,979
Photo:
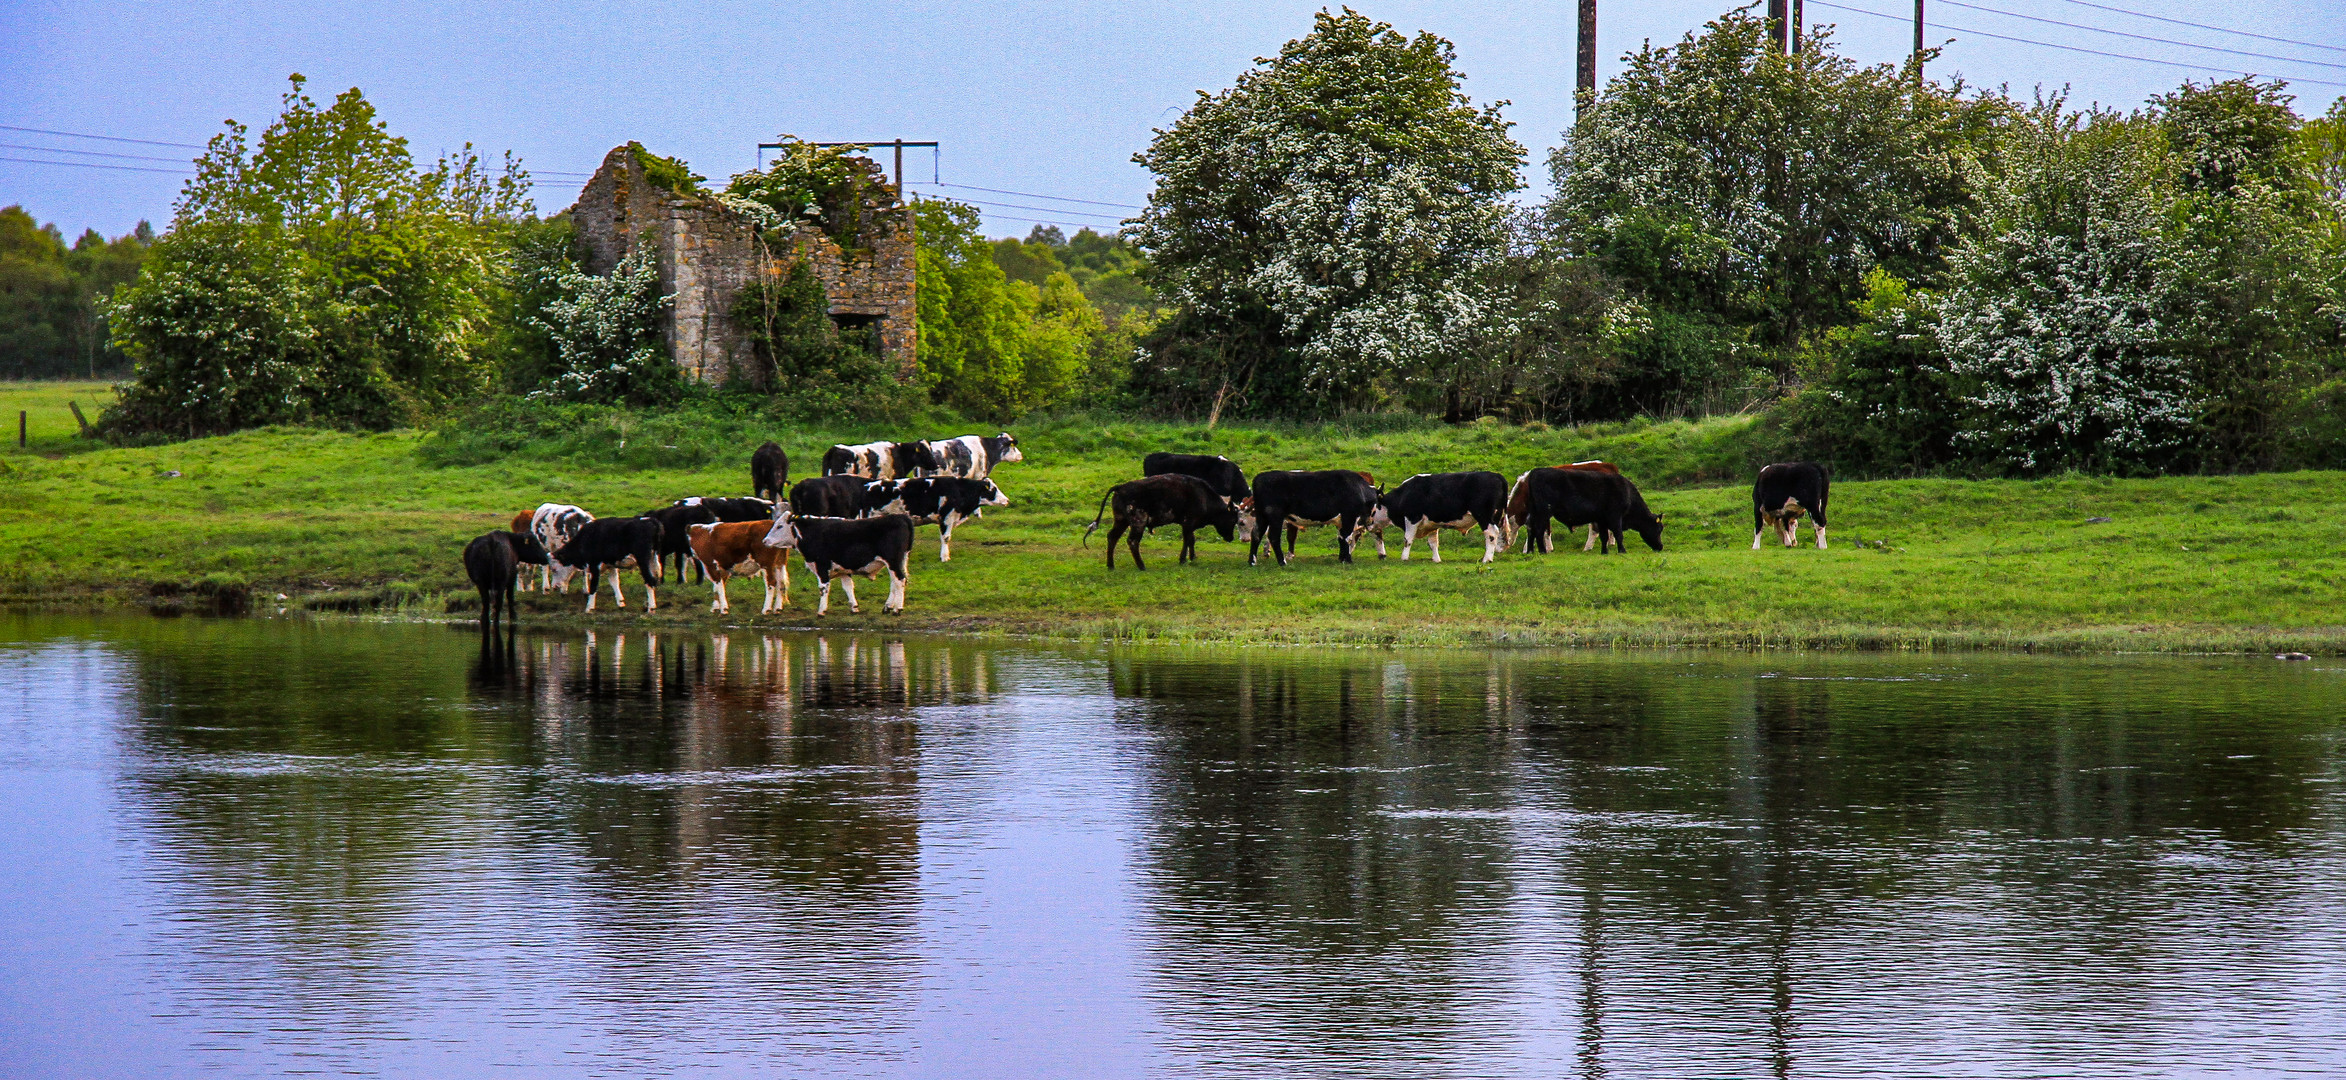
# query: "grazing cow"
493,561
1518,506
1219,473
1784,490
605,544
877,461
1296,498
1165,499
554,525
828,496
971,457
769,471
1433,502
836,549
724,547
943,501
675,519
1579,497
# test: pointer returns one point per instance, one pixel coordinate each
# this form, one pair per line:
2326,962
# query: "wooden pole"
82,420
1586,82
1779,23
1918,42
20,429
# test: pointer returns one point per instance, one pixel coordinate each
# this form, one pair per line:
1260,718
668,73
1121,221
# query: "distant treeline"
52,297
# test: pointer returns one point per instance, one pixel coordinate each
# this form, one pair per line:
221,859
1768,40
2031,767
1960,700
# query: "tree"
52,298
396,266
1320,223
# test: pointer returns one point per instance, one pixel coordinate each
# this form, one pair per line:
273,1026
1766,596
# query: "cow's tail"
1103,512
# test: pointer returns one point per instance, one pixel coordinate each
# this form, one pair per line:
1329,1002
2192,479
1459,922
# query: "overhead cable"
87,153
2139,37
95,165
2065,48
2205,26
1029,194
1042,209
107,138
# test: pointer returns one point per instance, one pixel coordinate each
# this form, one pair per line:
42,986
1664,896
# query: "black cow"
828,496
1437,501
493,561
943,501
971,457
1219,473
1783,492
843,549
742,508
769,471
1579,497
878,460
676,522
605,543
1299,498
1164,499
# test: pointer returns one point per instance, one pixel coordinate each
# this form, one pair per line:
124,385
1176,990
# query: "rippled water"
262,847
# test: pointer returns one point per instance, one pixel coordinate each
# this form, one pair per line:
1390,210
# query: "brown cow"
724,547
1519,505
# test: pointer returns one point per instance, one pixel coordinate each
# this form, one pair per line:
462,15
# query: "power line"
84,153
107,138
1030,195
95,165
2140,37
2204,26
1042,209
2065,48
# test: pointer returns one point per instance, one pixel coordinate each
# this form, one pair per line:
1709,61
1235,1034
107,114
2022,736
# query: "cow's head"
784,533
526,548
1245,511
1651,531
1010,448
994,496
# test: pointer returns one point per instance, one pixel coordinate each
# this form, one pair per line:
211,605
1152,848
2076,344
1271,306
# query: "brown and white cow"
728,547
1783,492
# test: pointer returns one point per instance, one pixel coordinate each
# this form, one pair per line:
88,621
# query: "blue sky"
1051,99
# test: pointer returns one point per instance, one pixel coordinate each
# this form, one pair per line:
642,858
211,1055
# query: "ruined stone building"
708,253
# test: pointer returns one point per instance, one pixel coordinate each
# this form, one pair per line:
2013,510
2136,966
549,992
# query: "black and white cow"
769,471
1298,498
605,544
828,496
878,460
1783,492
1577,497
836,549
971,457
493,561
1219,473
943,501
1166,499
553,525
1432,502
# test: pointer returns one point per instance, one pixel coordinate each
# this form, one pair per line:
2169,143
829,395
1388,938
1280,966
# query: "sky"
1043,99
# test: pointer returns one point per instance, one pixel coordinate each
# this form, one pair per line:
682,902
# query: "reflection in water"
398,850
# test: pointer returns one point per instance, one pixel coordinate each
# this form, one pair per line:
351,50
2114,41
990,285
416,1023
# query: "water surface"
257,847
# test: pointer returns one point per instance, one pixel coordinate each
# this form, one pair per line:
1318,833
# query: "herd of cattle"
858,518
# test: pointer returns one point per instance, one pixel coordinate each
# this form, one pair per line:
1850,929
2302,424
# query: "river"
260,847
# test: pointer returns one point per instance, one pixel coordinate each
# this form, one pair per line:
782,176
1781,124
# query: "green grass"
48,419
360,522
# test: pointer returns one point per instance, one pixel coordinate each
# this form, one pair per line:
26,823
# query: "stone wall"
708,254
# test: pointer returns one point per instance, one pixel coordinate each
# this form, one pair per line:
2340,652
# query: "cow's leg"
945,537
1409,540
1347,534
1820,527
898,578
822,606
1132,539
718,601
1381,544
594,585
847,585
1434,542
1254,542
1116,536
1593,538
651,595
1188,545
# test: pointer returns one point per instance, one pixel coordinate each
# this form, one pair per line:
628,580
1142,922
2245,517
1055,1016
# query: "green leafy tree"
1320,223
52,298
606,335
398,266
974,327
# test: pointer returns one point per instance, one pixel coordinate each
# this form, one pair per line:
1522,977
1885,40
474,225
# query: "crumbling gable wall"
708,254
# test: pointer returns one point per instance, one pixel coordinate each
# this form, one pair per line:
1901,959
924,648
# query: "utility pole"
1779,22
1918,42
1585,86
898,144
1795,25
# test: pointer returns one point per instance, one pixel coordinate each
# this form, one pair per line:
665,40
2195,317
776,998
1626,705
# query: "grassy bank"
362,522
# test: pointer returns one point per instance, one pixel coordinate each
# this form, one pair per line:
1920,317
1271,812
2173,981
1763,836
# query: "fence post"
84,421
20,429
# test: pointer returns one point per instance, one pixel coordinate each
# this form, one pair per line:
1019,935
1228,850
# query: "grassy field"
359,522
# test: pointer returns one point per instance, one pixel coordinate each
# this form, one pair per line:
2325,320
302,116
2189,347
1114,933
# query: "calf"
606,543
1297,498
842,549
1578,497
1220,473
725,546
1165,499
1437,501
769,471
828,496
554,525
943,501
493,561
971,457
1783,491
878,460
